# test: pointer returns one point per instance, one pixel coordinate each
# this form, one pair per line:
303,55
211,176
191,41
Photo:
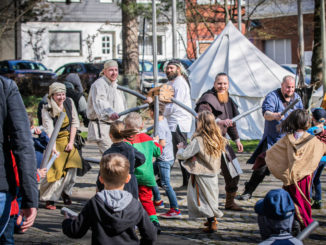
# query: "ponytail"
118,131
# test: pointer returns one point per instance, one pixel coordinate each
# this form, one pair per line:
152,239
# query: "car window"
69,69
4,67
40,66
94,68
148,67
78,68
308,70
60,71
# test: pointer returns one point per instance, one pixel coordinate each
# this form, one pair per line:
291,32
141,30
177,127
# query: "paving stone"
233,227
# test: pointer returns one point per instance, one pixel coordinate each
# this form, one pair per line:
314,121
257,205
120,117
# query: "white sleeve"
102,107
191,150
47,122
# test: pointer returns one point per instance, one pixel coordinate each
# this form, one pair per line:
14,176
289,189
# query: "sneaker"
159,204
158,227
245,196
172,214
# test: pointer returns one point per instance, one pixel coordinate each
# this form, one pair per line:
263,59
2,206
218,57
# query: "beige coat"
198,162
290,160
104,99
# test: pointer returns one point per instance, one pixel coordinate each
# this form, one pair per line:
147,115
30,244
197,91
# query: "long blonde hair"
207,128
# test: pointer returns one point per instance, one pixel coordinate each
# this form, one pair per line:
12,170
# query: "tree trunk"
130,27
227,15
317,56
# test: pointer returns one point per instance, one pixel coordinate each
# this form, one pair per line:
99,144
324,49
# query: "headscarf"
108,64
52,106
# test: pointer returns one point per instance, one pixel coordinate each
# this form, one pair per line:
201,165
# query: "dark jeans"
316,180
256,178
178,137
231,184
8,234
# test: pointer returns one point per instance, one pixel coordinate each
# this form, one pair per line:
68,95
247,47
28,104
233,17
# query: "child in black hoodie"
113,213
117,134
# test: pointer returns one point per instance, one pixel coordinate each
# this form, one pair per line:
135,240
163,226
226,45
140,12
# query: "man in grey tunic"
104,103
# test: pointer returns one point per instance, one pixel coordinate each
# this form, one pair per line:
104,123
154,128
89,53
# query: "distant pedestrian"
275,218
203,161
113,213
288,161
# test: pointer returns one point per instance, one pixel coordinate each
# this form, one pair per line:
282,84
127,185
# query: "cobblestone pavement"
233,228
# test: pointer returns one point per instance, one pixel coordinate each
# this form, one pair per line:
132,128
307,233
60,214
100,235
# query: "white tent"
251,74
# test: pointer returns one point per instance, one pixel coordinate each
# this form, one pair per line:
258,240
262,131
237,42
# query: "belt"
98,125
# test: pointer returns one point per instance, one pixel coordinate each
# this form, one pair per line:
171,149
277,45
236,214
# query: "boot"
211,226
229,202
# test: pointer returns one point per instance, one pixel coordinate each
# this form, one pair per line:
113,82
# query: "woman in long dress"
61,176
203,162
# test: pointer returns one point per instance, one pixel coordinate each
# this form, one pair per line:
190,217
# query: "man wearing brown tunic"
217,101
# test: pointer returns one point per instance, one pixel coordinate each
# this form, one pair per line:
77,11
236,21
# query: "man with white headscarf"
104,103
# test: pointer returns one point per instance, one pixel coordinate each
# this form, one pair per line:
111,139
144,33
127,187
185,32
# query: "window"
279,50
106,44
74,68
106,1
60,71
63,1
65,42
205,2
148,45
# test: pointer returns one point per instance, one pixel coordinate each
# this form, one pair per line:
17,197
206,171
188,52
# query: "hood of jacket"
292,159
116,210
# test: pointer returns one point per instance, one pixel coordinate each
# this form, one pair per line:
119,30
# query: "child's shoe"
159,204
172,214
212,226
158,227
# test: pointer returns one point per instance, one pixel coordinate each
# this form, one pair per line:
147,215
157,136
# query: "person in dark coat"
16,138
218,102
136,158
113,213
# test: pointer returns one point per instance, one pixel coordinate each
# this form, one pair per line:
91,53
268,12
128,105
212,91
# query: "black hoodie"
112,215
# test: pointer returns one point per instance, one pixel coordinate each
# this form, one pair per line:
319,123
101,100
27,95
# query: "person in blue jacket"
318,120
275,102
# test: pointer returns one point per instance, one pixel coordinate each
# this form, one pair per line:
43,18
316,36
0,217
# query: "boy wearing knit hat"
104,103
275,218
318,129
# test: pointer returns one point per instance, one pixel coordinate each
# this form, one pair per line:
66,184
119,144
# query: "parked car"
185,62
32,78
147,76
293,68
88,72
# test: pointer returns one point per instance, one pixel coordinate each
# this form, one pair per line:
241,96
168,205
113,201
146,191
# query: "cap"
277,204
319,114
